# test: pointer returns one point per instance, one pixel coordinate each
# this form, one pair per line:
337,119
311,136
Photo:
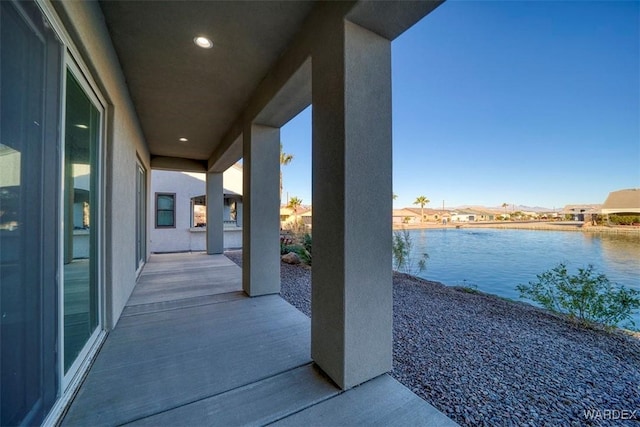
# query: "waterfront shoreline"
483,360
525,225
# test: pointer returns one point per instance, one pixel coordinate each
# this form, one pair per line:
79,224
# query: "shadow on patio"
192,349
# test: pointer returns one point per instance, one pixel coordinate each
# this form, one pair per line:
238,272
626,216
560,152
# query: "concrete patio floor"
192,349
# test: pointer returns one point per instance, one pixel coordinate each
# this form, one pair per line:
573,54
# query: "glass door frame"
141,216
78,367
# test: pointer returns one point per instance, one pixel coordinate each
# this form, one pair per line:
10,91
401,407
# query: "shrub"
301,245
285,242
618,219
307,242
587,296
402,261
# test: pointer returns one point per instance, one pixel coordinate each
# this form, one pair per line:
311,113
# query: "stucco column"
260,218
351,323
215,209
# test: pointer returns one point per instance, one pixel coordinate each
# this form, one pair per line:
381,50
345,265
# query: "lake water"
495,261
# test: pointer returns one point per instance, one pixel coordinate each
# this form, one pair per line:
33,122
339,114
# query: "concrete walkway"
192,349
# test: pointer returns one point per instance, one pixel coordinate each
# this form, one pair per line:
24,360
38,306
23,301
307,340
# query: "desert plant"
294,204
307,242
588,296
304,255
300,244
402,248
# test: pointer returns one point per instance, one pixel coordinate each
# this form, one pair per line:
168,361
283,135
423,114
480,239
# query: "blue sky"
534,103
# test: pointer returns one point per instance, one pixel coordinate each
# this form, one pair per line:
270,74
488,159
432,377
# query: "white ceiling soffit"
182,91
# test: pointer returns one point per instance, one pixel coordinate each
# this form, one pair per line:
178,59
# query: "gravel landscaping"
483,360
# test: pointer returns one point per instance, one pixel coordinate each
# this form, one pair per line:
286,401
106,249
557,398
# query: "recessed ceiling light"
183,139
203,42
81,126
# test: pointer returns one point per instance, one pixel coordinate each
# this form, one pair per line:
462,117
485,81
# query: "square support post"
352,303
261,210
215,209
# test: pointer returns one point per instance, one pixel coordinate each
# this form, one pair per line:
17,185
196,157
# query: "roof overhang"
258,70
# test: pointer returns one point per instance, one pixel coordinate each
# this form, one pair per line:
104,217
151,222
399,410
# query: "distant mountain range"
509,208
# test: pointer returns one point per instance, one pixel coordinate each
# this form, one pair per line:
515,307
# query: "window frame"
141,215
193,204
160,194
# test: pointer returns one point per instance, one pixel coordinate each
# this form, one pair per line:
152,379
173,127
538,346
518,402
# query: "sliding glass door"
50,204
30,77
81,222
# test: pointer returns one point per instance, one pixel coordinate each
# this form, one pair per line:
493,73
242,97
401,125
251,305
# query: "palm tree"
285,159
504,205
294,204
421,200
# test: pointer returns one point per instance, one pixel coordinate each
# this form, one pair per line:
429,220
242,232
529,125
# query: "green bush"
307,242
300,244
402,261
586,296
617,219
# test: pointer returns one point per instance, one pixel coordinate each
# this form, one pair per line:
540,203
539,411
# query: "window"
199,211
165,210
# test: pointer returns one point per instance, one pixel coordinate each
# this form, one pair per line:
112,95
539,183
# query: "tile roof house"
430,214
405,216
622,201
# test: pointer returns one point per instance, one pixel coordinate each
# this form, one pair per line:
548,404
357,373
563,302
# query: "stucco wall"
186,185
124,143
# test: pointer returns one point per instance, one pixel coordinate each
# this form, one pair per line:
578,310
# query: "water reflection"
497,260
620,250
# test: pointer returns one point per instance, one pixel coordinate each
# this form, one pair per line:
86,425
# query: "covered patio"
192,349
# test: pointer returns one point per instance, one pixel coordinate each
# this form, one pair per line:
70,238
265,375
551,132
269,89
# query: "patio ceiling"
180,90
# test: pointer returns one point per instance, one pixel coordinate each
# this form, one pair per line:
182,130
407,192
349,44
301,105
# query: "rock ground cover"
483,360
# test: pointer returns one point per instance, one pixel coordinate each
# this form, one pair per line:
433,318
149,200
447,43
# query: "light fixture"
81,126
183,139
203,42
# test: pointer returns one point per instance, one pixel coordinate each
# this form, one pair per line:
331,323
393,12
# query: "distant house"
530,214
405,216
481,215
464,216
178,210
288,218
581,212
622,202
306,218
431,215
